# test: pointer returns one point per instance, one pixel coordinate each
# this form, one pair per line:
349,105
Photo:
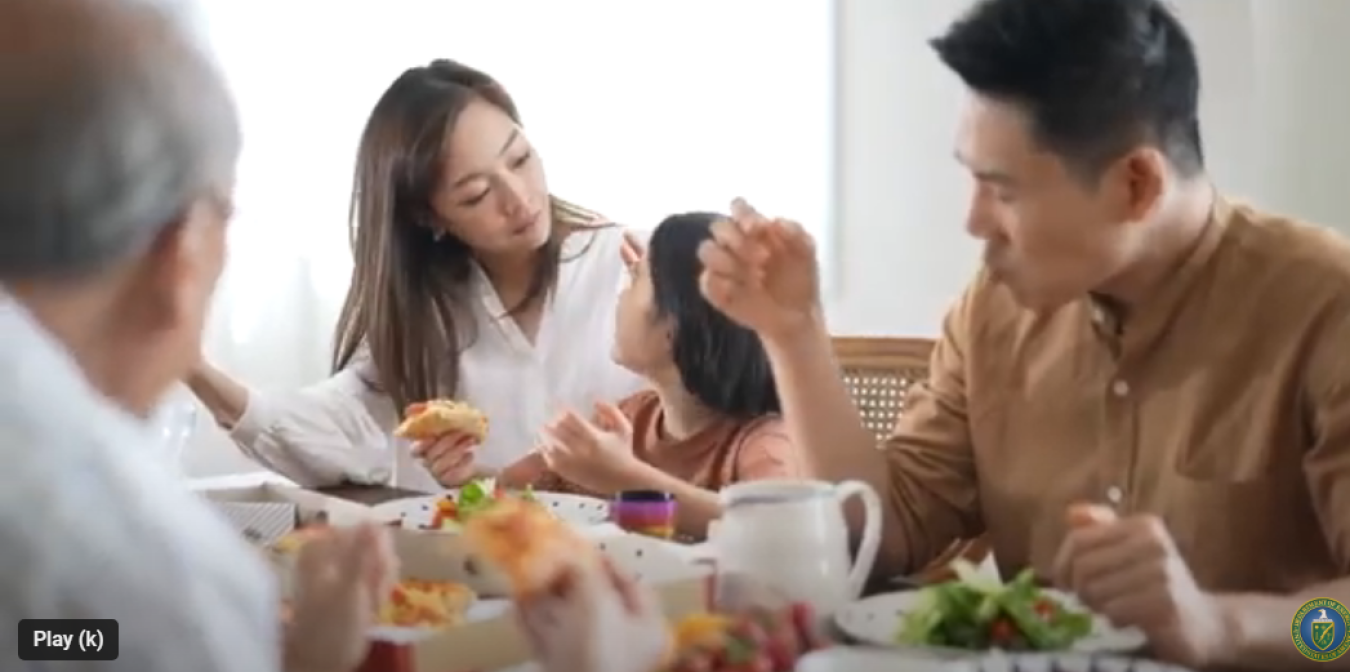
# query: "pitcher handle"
871,536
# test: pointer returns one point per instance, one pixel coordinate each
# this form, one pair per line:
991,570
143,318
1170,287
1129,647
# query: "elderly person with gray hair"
119,142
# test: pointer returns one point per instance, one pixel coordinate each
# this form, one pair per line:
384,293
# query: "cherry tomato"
1002,632
1044,607
757,663
749,632
803,619
783,651
694,661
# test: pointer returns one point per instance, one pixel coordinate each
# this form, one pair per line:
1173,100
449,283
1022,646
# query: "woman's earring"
437,234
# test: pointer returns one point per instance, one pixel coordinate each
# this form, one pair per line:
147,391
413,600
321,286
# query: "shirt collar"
1137,329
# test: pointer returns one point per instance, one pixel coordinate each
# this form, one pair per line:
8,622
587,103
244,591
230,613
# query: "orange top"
1221,405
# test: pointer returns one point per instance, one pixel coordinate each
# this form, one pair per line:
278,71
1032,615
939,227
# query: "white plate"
876,620
415,513
1068,662
854,659
648,560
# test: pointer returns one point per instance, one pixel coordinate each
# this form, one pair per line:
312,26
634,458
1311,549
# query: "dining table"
374,495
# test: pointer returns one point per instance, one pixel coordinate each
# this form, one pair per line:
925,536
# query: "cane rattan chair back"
879,372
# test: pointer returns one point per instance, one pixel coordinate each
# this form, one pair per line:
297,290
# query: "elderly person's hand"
341,577
596,620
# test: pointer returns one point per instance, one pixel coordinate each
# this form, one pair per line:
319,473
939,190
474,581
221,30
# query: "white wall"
1273,107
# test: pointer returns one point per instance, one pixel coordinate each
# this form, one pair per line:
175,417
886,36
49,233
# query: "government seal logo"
1319,629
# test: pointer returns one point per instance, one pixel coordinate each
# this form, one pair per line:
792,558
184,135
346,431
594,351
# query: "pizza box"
489,638
496,645
453,549
265,512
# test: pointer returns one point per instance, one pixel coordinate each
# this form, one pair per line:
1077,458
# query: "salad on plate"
975,612
457,506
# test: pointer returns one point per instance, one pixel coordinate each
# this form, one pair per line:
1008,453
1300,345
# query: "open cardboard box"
490,639
497,645
263,513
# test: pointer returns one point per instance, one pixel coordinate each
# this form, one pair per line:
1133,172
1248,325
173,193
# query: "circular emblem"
1319,629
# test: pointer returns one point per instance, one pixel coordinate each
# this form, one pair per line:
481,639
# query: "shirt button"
1114,495
1120,388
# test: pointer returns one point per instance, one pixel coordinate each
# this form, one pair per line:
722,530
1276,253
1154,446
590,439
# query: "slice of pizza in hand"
433,419
530,545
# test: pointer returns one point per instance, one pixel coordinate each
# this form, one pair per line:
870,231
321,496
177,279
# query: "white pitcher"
792,536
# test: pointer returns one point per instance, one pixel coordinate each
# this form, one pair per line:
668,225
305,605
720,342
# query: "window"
639,109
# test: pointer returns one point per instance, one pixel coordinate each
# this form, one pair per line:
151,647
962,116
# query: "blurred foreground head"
118,141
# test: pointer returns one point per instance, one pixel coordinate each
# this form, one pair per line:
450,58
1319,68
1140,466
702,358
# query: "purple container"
647,512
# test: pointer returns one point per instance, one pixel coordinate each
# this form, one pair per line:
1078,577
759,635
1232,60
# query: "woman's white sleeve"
336,431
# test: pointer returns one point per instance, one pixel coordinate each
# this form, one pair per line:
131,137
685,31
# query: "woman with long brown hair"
471,281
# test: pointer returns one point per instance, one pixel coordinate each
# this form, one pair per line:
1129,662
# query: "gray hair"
114,121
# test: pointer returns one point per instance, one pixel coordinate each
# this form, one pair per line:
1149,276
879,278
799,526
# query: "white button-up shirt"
93,524
340,429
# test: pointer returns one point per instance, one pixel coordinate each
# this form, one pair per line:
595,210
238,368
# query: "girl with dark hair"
711,417
471,281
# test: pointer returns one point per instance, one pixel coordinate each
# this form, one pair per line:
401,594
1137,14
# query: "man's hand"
597,455
341,578
761,273
1128,570
449,459
598,620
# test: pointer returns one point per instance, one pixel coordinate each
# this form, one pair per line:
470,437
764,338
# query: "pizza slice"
290,543
433,419
530,545
434,604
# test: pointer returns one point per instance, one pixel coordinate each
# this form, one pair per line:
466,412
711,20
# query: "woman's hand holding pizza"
449,458
444,434
595,454
342,575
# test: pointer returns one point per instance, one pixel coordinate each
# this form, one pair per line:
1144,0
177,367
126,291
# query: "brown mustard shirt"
723,453
1222,406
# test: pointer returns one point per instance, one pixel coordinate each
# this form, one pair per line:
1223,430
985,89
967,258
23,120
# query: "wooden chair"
879,372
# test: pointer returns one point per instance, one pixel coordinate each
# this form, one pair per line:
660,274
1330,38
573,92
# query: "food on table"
429,420
530,545
474,497
414,603
760,640
1088,515
426,604
292,541
974,612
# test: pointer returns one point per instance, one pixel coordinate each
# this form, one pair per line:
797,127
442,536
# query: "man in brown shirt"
1134,342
